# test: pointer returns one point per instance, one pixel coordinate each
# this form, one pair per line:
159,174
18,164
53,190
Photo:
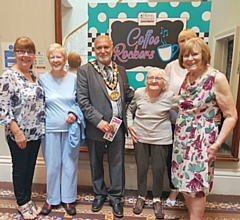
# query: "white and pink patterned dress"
195,131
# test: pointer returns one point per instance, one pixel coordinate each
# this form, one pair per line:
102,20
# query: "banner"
145,34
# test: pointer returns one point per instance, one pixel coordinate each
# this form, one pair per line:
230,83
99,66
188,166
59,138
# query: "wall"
34,19
74,14
38,24
222,25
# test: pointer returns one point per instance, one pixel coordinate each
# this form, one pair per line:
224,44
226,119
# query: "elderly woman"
150,129
22,113
61,113
204,91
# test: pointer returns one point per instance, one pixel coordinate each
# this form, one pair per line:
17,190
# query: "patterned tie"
109,76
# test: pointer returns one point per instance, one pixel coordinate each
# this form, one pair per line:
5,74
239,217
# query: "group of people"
59,109
201,92
42,110
152,134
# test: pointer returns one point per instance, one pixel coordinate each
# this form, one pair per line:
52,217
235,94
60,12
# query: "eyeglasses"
23,52
157,78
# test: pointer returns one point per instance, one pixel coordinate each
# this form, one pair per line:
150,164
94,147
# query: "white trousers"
61,168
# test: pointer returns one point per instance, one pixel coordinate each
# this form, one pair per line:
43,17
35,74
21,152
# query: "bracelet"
217,142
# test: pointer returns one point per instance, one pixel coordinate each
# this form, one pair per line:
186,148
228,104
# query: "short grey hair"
163,75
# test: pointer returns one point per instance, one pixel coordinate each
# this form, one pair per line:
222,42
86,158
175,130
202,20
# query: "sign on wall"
145,34
8,58
141,45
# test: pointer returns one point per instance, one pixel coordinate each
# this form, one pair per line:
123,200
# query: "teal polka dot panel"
198,13
136,79
116,18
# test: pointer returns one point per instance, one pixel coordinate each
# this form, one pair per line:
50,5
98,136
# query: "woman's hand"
217,118
133,133
71,118
212,152
19,136
20,139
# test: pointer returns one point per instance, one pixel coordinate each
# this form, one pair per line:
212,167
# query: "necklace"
148,98
114,95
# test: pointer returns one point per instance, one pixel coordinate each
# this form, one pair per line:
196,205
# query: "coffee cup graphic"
167,51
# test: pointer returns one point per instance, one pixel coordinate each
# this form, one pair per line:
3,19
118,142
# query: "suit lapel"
120,81
101,83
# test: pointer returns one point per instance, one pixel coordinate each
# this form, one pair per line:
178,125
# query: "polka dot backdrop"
198,16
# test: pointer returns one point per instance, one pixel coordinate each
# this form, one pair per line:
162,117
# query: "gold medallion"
114,95
110,85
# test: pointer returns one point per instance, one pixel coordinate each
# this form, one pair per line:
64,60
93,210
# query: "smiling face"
57,60
194,55
24,58
57,56
103,49
24,50
192,60
155,80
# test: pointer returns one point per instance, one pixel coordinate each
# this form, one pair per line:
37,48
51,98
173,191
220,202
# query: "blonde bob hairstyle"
161,73
193,45
187,33
56,47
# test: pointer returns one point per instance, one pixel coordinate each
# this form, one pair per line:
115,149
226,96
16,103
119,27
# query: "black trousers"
115,151
23,164
158,155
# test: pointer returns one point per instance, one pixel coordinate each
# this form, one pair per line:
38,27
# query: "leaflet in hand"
115,122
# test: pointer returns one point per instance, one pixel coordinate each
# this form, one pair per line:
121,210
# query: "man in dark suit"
103,94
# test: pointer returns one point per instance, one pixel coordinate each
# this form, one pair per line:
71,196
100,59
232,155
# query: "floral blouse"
22,101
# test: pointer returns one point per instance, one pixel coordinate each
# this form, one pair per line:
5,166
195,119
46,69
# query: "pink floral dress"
195,131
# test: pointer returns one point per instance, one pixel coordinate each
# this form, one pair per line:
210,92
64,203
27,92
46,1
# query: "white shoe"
170,202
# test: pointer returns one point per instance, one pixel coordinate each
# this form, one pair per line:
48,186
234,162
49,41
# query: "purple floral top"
22,101
195,131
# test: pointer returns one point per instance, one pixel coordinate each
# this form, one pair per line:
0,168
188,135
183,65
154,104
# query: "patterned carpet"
218,207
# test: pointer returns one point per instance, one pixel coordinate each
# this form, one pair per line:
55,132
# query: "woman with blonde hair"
62,112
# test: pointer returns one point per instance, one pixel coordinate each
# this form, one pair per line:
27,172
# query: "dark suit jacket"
94,100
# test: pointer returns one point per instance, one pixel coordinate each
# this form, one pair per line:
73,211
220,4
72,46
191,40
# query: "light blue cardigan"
76,133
